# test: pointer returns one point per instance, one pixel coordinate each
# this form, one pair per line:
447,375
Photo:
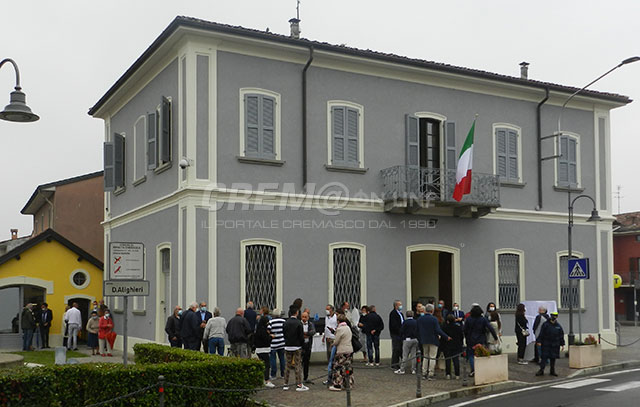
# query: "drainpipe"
304,120
52,215
539,129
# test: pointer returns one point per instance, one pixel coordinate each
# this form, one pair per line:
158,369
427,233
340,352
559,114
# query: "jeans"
36,335
272,358
216,344
72,343
264,357
373,342
470,357
330,364
396,351
27,338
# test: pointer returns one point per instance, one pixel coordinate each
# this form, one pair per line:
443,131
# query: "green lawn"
46,357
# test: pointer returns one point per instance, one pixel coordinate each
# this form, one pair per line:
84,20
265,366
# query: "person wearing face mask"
443,310
172,327
93,327
105,326
363,335
330,325
551,342
205,316
396,318
458,314
46,316
309,331
491,307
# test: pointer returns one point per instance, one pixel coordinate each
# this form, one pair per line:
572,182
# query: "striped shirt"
275,327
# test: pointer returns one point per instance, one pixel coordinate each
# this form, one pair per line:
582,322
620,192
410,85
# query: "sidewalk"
381,387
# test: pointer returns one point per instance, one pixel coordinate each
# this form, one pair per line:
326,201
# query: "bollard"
161,391
347,386
418,373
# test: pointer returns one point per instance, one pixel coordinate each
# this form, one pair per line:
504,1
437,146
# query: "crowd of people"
284,341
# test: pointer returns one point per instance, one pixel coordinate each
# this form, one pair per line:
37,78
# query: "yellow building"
46,268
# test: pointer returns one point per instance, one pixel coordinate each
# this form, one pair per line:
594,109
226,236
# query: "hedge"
85,384
149,353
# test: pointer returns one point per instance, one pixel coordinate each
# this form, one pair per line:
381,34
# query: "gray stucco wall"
146,101
152,230
385,104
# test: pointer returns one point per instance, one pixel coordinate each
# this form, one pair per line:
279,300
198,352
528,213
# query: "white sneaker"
285,388
399,371
413,371
302,387
377,364
269,385
448,377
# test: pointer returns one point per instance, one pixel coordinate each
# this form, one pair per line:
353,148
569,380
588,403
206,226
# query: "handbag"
525,332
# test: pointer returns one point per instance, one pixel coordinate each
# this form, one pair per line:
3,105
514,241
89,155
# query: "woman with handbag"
522,332
105,327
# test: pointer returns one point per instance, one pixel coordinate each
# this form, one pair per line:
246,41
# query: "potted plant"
587,353
490,366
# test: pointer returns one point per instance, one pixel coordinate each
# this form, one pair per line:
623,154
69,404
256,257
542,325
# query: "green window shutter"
252,126
450,155
338,135
118,160
152,142
512,155
412,140
109,180
267,131
165,132
501,153
351,152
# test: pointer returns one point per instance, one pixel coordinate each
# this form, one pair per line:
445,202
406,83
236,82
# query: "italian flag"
465,161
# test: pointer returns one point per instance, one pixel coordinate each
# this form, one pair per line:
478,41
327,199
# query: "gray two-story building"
263,167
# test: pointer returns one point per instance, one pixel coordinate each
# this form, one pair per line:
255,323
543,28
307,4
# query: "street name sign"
126,261
578,269
126,288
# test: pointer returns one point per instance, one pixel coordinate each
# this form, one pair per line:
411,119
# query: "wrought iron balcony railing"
434,185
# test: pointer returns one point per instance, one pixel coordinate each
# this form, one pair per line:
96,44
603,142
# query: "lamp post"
593,218
594,212
17,109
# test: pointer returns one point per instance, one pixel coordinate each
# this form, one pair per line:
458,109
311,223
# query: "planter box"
585,356
491,369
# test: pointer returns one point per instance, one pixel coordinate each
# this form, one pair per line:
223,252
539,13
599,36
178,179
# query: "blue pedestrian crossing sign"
579,269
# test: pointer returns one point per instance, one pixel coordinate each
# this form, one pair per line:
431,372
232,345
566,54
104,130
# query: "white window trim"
137,178
279,273
443,141
518,130
521,274
559,280
363,270
160,321
86,282
277,132
556,151
337,103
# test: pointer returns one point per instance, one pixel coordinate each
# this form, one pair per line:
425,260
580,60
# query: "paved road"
619,389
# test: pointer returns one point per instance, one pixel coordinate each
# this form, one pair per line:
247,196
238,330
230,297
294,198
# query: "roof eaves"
252,33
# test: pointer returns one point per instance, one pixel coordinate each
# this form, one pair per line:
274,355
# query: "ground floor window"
347,276
260,275
508,280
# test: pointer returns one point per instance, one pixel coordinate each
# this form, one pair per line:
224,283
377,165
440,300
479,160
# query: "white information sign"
126,261
124,288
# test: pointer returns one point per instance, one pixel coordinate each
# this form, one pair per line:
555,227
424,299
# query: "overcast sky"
70,52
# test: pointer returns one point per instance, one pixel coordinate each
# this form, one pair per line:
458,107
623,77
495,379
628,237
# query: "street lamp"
17,109
593,218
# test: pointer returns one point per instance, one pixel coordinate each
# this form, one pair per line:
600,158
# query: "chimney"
14,234
524,70
295,28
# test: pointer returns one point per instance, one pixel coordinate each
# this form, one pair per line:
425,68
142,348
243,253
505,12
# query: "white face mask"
492,309
328,312
455,308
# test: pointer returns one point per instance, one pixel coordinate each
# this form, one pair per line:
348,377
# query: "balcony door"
431,155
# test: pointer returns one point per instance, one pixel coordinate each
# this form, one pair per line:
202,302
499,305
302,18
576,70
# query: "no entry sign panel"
126,261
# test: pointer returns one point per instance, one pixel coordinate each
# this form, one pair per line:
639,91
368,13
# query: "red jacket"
105,326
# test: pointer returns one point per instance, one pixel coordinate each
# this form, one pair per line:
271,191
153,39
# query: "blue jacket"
409,329
429,330
475,331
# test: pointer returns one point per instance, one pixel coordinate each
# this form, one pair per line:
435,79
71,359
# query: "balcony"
430,191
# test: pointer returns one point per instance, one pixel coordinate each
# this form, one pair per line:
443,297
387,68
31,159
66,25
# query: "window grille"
565,293
508,280
346,276
165,255
260,275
